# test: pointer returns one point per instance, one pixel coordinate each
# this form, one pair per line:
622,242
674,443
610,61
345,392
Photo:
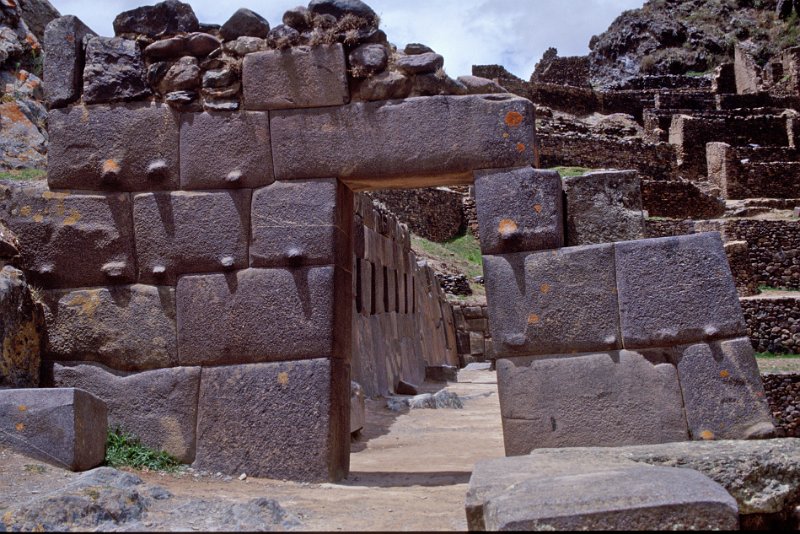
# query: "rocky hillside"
23,137
684,36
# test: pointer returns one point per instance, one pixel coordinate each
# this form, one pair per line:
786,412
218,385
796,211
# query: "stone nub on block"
299,77
241,155
158,407
122,148
676,290
190,232
604,207
70,240
273,420
553,302
63,427
63,62
605,399
294,223
256,315
127,328
451,137
519,210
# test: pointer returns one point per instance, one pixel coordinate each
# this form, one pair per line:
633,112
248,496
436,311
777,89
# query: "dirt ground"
408,471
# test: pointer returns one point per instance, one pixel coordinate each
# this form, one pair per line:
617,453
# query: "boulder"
384,86
415,49
114,72
245,45
298,18
427,63
163,19
368,60
183,75
283,37
37,14
340,8
244,22
22,331
64,40
63,427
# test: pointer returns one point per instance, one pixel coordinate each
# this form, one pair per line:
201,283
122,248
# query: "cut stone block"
604,207
722,391
452,136
115,71
294,223
607,399
63,63
298,77
519,210
158,407
271,420
70,240
21,331
553,302
124,148
63,427
127,328
190,232
676,290
550,493
256,315
241,156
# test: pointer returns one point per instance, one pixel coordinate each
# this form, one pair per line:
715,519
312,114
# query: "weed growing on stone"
567,172
125,450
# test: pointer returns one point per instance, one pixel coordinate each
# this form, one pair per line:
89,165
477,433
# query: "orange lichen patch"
514,118
506,135
22,408
110,166
520,147
283,378
10,111
73,217
707,435
70,38
724,374
32,41
38,218
545,289
20,427
537,208
87,301
507,227
533,319
25,211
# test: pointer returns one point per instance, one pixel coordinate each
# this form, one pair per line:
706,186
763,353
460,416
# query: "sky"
512,33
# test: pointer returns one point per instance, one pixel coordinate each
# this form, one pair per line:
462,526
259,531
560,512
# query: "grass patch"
770,288
125,450
465,250
23,175
567,172
775,356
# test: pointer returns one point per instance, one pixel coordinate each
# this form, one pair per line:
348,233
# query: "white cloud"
513,33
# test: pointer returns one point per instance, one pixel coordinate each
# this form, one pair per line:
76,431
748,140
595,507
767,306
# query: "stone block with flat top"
63,63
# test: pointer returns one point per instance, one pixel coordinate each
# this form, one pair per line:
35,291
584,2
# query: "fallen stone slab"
158,407
70,240
64,40
21,331
453,136
63,427
606,399
550,493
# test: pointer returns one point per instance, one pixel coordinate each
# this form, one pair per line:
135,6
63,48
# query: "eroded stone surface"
114,71
63,66
165,18
22,331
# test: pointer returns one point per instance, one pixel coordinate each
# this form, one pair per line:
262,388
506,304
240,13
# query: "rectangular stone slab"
241,155
676,290
63,427
129,147
127,328
158,407
256,315
63,63
431,137
519,210
272,420
606,399
298,77
553,302
70,240
190,232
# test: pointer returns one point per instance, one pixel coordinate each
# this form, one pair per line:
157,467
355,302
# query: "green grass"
764,287
23,175
125,450
773,356
465,250
567,172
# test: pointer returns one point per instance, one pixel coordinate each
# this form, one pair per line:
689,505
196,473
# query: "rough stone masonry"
197,230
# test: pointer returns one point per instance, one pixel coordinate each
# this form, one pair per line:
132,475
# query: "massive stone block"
190,232
123,148
722,391
256,315
553,302
21,331
452,136
63,64
676,290
127,328
606,399
241,156
298,77
70,240
519,210
574,493
277,420
295,223
115,71
603,207
63,427
159,407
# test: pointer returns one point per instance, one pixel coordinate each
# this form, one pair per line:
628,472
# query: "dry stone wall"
774,323
473,336
436,214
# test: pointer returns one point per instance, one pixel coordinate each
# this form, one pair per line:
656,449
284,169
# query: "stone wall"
774,323
572,71
474,340
436,214
783,392
402,321
747,173
679,199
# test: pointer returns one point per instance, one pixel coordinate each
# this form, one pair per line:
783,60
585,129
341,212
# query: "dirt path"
408,471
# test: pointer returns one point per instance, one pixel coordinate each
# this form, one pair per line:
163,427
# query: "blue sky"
513,33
